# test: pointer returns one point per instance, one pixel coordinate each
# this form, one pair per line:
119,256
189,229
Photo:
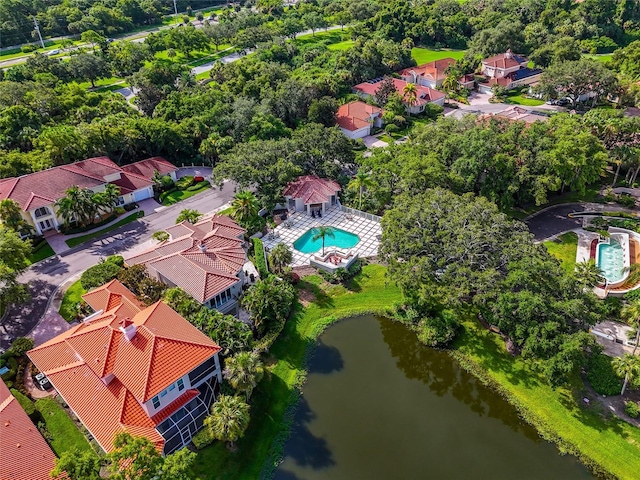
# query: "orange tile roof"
311,189
504,60
353,115
25,454
42,188
424,94
80,361
181,261
434,70
175,406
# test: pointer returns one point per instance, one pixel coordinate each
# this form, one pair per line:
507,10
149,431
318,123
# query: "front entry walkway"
369,232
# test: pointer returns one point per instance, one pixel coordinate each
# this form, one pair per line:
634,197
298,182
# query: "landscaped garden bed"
72,242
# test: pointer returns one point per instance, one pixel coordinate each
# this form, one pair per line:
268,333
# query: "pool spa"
340,239
613,258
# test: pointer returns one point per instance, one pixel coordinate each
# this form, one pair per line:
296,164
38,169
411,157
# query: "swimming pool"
340,239
611,260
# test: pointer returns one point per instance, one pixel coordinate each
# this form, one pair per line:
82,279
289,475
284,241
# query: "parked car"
53,52
43,382
563,102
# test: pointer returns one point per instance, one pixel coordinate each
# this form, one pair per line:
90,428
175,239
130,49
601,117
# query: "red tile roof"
432,70
354,115
202,274
424,94
25,454
80,361
504,60
42,188
312,189
174,406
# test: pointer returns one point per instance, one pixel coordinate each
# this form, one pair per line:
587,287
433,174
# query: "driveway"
374,142
45,277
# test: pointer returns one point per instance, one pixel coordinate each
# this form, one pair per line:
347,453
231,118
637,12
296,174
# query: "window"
120,200
156,401
172,387
202,371
180,385
163,393
42,211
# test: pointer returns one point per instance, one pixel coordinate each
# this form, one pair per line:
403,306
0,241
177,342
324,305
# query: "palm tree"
627,366
160,236
321,233
279,257
589,274
244,207
229,419
360,182
244,371
77,205
190,215
450,83
410,94
631,313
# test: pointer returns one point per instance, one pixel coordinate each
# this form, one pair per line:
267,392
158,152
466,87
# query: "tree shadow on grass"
322,300
593,414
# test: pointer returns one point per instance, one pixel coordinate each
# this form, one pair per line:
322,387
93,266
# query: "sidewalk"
58,240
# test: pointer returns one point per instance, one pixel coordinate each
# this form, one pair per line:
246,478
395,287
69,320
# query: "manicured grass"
560,414
267,432
72,242
564,250
346,45
522,100
331,37
601,57
72,297
65,435
426,55
179,195
104,82
40,252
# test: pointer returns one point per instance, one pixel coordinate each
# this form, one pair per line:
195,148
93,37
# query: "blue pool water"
611,261
340,239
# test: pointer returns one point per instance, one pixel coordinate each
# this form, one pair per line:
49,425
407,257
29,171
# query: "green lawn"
72,297
179,195
368,292
426,55
345,45
522,100
564,249
105,82
65,435
72,242
601,57
41,251
560,414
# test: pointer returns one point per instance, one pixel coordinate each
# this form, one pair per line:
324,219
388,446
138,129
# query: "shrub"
20,346
99,275
601,376
438,331
631,409
28,48
626,201
26,404
116,259
119,210
202,439
341,275
261,262
391,128
184,182
198,186
68,231
167,182
12,364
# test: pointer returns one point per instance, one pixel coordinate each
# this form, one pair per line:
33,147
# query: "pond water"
379,405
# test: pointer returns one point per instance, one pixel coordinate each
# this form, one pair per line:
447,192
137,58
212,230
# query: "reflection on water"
379,405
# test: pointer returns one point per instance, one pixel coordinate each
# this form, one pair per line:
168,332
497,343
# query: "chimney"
508,53
128,328
203,247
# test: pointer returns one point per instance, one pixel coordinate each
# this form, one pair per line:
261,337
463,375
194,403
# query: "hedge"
164,194
184,182
261,262
99,275
198,186
601,375
202,438
27,405
86,228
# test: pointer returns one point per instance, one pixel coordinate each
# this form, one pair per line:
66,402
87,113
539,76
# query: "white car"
53,52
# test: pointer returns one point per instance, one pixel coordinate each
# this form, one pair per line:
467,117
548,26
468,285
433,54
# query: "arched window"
42,211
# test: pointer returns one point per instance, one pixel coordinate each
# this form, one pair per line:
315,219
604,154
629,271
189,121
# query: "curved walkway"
555,220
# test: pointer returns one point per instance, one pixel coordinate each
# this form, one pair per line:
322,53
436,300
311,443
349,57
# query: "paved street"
44,277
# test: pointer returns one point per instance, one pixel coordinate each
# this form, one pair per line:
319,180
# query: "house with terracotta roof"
430,74
355,119
25,454
143,370
424,94
205,259
36,193
507,70
311,194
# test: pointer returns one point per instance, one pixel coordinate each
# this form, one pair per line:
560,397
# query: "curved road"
44,277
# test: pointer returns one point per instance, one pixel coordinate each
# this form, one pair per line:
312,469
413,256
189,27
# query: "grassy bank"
608,445
64,433
179,195
368,292
41,251
564,249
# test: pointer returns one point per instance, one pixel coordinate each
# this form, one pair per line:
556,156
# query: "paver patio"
369,232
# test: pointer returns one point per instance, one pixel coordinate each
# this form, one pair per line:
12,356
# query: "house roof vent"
128,328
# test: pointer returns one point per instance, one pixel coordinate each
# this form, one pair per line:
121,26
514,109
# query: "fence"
358,213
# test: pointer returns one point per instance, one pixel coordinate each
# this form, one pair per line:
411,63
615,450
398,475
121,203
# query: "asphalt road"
44,277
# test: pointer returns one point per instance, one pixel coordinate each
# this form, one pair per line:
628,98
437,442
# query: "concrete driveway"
374,142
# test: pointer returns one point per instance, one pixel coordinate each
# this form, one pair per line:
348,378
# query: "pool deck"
369,232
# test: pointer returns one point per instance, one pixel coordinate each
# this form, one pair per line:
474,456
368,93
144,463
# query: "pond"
377,404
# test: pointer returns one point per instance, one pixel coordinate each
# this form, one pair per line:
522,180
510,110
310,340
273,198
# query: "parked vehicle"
43,382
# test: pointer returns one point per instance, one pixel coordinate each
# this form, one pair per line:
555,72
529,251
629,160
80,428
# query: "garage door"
141,195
